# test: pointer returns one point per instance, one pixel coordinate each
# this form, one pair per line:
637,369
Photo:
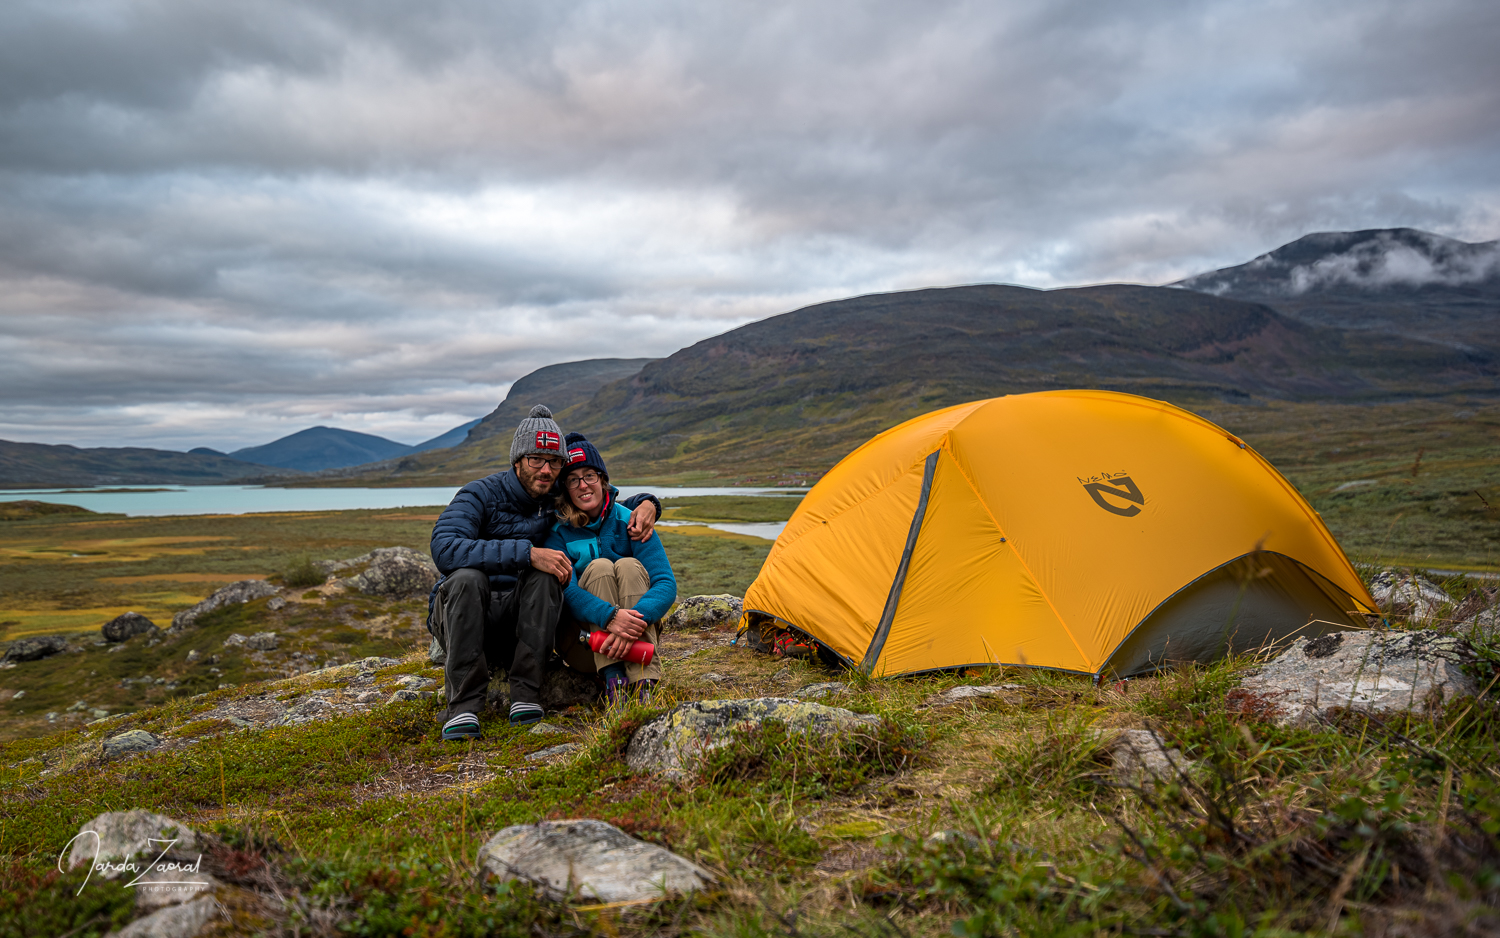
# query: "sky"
222,221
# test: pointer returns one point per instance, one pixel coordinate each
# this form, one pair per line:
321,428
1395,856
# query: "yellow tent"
1087,531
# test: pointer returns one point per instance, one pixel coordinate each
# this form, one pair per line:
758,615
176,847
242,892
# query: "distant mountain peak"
1377,260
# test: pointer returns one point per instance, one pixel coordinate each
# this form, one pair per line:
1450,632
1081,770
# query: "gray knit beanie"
538,435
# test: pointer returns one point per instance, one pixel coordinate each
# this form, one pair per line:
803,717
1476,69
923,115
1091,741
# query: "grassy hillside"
1003,816
38,464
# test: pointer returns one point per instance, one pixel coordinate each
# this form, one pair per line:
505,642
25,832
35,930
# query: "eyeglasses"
587,477
537,462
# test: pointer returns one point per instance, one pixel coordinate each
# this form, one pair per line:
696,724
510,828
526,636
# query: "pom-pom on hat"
538,435
582,455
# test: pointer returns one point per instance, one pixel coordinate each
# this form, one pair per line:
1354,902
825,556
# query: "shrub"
302,572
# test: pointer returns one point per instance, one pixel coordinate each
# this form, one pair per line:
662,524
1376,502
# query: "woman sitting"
620,586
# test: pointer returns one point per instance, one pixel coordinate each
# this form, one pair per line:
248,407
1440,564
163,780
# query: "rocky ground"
1345,784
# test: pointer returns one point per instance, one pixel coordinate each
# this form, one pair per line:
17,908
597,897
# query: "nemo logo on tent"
1119,486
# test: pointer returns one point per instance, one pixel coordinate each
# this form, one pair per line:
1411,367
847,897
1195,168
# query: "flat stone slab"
175,921
1376,671
815,691
670,744
964,692
553,752
590,860
1140,757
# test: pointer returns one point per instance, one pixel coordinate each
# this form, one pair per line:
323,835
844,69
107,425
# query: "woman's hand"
625,627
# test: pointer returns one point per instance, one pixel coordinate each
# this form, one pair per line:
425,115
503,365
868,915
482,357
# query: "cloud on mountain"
223,222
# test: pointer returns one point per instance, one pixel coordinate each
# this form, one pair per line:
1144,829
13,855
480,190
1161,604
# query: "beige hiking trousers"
622,583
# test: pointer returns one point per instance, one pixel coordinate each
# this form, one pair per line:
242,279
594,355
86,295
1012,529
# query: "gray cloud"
223,222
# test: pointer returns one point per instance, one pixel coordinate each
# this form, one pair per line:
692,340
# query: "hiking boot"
461,728
787,646
616,685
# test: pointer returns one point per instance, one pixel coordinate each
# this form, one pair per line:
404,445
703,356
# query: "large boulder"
1376,671
127,625
174,921
705,612
34,649
386,571
128,742
161,858
122,835
591,860
670,744
1409,596
243,591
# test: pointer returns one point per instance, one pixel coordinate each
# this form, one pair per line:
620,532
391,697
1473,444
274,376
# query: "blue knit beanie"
582,455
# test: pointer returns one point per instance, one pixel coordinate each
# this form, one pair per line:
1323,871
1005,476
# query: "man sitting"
500,599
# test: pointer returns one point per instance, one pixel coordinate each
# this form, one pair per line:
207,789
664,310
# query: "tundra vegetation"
999,815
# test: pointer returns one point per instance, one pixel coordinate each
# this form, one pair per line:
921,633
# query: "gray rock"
397,571
370,696
122,835
276,604
414,681
670,744
1374,671
129,741
308,710
34,649
943,838
262,641
552,752
242,592
1141,757
374,663
715,677
817,691
566,688
704,612
126,625
540,729
234,639
436,654
590,860
401,695
193,656
1406,595
176,921
969,692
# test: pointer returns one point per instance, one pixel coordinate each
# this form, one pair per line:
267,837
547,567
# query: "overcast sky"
224,221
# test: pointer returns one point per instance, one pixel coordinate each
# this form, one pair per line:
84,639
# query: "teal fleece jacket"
607,538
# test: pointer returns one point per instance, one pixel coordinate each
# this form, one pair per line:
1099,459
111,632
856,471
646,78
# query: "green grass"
374,820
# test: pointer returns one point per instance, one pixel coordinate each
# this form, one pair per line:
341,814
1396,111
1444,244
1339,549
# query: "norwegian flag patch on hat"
546,439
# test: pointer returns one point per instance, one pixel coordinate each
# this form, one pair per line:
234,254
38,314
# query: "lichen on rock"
705,612
671,744
590,859
243,591
1373,671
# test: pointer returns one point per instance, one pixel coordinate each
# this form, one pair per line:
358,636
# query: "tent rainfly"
1085,531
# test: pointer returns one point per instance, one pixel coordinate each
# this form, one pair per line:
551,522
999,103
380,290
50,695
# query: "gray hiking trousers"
479,630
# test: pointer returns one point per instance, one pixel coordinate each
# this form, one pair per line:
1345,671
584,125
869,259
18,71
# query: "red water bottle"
640,653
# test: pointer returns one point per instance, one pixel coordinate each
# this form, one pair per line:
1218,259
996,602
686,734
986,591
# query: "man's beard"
530,482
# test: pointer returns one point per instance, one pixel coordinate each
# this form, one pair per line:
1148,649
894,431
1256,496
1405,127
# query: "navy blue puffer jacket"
491,524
